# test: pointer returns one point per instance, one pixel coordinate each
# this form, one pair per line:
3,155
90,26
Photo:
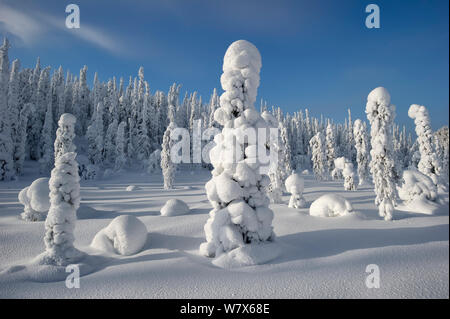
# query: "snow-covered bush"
125,235
416,185
36,200
174,207
362,150
60,223
380,114
241,215
318,156
330,205
429,163
295,185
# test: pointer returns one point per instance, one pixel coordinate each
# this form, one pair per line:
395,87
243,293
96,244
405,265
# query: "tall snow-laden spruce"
429,163
121,147
362,150
381,114
7,170
241,213
318,156
167,166
331,150
64,200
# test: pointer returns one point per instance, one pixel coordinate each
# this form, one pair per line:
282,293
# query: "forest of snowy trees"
122,124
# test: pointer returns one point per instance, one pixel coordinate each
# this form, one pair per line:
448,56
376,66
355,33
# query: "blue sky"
315,54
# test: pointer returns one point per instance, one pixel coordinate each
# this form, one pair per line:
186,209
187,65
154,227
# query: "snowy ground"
321,257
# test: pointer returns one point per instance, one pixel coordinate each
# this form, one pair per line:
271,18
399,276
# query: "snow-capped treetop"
379,95
67,119
240,80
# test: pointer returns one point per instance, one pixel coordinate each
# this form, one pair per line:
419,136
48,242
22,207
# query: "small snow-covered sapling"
295,185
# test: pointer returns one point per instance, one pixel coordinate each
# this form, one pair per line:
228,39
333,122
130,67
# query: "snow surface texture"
381,114
330,205
125,235
174,207
319,257
295,185
237,189
36,200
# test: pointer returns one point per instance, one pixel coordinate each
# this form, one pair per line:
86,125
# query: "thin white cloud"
26,28
32,28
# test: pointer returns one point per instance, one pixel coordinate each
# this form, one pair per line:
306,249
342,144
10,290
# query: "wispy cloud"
31,28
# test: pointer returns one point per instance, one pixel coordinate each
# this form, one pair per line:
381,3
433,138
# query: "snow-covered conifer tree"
7,170
121,144
60,223
429,163
362,150
167,166
318,155
241,214
46,161
380,114
330,149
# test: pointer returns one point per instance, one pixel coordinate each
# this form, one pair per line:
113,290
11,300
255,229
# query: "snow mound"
174,207
330,205
36,200
125,235
248,255
132,188
305,172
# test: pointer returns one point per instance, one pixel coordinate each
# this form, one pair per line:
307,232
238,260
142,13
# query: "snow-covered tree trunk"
362,151
241,214
380,114
429,163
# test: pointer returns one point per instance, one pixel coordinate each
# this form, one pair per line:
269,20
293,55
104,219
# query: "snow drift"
330,205
174,207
